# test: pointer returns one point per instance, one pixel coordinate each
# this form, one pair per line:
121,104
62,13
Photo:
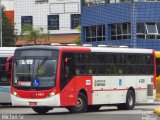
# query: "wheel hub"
79,102
130,100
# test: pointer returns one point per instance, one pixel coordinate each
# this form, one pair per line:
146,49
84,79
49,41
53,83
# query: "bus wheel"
93,108
130,101
81,104
41,110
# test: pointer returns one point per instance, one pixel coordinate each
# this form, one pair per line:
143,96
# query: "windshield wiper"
40,64
29,67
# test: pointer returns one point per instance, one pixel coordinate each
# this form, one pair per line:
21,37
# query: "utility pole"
0,23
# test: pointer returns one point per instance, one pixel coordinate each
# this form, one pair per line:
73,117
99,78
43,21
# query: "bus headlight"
51,94
15,94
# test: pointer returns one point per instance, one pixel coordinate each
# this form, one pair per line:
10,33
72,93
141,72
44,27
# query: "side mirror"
8,66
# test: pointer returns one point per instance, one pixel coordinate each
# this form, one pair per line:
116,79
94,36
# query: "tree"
7,30
78,40
32,34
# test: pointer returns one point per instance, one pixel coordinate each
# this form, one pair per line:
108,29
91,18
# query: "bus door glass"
67,73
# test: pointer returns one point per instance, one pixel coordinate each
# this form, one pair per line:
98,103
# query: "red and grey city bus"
82,78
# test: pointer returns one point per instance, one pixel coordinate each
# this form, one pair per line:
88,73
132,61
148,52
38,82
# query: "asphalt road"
105,113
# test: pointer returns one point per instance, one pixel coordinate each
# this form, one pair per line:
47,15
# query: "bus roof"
121,50
38,47
91,49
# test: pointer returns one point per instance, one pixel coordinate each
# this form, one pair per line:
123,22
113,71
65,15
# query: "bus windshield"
35,72
34,69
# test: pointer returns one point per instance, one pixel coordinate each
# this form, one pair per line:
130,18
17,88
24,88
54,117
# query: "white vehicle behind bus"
5,97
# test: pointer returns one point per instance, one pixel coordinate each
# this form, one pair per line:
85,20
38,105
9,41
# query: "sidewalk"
155,102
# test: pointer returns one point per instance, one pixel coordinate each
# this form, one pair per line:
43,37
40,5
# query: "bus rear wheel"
130,101
81,104
41,110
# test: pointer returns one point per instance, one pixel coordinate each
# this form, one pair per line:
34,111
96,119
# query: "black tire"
81,104
93,108
41,110
130,101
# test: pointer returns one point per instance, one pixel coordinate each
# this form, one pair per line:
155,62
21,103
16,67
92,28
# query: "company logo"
99,83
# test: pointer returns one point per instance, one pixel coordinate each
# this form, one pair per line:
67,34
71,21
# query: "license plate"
33,103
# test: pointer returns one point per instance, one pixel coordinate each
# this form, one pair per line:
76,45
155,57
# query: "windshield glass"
34,73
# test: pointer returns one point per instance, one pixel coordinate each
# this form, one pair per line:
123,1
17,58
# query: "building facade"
8,4
58,18
133,23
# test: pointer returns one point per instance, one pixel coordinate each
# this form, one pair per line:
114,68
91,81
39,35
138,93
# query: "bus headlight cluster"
51,94
15,94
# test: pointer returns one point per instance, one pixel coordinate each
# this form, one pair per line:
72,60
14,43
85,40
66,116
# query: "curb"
154,103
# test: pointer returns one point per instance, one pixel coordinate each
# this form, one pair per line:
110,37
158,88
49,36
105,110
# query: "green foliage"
78,40
78,28
32,34
7,31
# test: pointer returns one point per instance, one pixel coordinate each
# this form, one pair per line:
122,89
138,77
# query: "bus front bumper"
51,101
